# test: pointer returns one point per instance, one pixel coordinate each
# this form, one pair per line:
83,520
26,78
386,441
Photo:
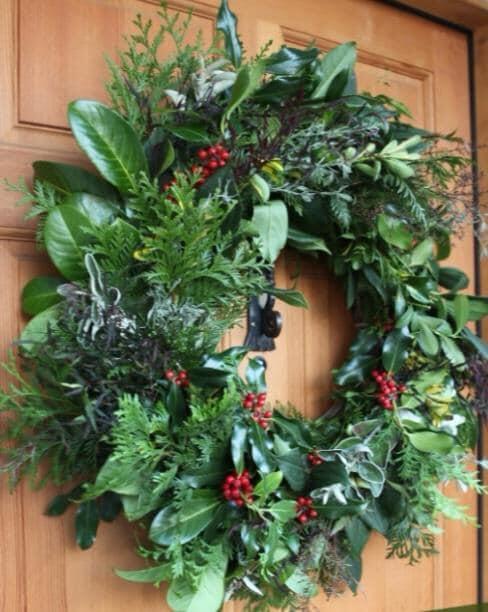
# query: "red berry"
169,374
225,155
268,414
212,150
183,375
202,154
239,502
313,513
248,404
200,182
375,373
213,164
303,518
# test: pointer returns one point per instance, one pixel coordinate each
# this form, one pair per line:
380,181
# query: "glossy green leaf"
40,293
288,61
290,296
227,24
64,236
209,377
175,403
395,349
394,231
209,474
172,525
260,453
422,252
335,510
261,187
69,179
269,484
109,506
271,224
86,524
427,340
238,445
453,279
305,242
293,465
109,141
357,534
461,311
329,473
283,510
191,132
431,442
337,61
452,351
159,152
355,370
153,575
36,329
247,81
206,593
255,373
97,209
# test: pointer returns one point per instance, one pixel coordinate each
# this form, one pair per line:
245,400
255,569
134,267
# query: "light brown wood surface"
51,51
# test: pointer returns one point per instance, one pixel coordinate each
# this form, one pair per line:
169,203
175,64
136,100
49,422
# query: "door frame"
471,17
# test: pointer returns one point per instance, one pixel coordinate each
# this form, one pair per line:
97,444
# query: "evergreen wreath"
208,165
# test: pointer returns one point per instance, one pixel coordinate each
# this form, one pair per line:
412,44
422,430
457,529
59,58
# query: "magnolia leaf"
192,132
109,141
64,237
40,293
288,61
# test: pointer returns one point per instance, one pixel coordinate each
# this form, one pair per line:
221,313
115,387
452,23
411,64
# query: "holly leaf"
238,445
269,484
294,466
395,349
86,524
227,24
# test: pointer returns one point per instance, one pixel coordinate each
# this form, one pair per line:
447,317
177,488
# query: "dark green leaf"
461,311
109,506
358,534
72,179
260,453
427,340
64,237
227,24
36,329
175,403
295,430
335,510
452,352
294,467
238,445
395,349
209,377
247,81
40,293
329,473
453,279
289,61
336,62
476,342
191,132
394,231
305,242
354,370
375,518
109,141
290,296
86,524
98,210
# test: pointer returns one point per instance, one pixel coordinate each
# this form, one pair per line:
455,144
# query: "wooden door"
50,53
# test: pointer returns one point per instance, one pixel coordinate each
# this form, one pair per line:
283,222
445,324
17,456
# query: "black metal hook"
263,322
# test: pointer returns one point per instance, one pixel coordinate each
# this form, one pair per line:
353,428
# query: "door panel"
51,52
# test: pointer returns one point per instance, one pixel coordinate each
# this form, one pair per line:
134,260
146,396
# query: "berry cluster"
237,488
256,402
388,388
314,458
180,379
212,159
305,512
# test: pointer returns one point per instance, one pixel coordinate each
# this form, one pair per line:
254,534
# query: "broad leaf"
268,484
247,81
354,370
72,179
154,575
271,223
422,252
86,524
476,342
255,373
109,141
284,510
64,237
358,534
227,24
395,349
191,132
288,61
329,473
36,329
431,442
461,311
40,293
290,296
427,340
97,209
172,526
338,63
238,445
452,351
453,279
207,594
394,231
294,467
306,243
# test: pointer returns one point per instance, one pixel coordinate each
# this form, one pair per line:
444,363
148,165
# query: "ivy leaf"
338,62
227,24
86,524
268,484
40,293
271,224
395,349
393,231
67,179
238,445
154,575
109,141
206,592
64,237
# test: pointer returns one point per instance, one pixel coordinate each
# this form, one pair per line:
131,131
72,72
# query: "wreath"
208,166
